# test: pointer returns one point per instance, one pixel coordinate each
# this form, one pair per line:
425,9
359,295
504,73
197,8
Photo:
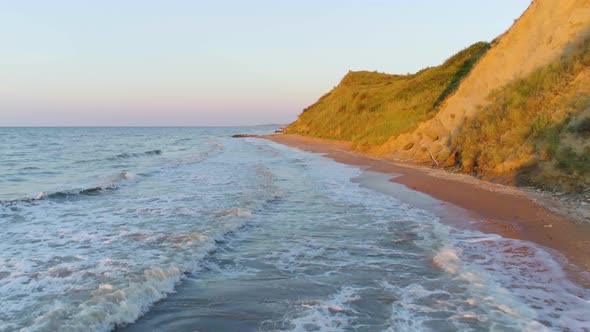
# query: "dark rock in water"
243,135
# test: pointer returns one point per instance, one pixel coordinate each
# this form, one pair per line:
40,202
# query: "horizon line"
142,126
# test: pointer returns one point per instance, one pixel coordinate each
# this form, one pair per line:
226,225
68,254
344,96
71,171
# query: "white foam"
334,314
517,279
110,306
448,260
40,195
110,302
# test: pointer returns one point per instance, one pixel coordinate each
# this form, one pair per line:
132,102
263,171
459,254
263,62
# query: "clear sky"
174,62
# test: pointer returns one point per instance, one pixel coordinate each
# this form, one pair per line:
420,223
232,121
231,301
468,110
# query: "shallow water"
187,229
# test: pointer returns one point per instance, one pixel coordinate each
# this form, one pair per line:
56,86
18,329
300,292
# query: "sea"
189,229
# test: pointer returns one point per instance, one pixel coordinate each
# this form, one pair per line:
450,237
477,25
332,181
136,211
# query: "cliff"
516,109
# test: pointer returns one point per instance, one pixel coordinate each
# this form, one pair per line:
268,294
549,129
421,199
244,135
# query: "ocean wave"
110,307
134,155
124,155
30,168
503,275
69,193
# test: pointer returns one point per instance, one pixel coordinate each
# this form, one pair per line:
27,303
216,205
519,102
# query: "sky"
208,63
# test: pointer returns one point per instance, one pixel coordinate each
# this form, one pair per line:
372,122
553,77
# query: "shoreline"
469,202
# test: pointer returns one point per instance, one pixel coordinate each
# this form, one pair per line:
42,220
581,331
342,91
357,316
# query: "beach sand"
464,201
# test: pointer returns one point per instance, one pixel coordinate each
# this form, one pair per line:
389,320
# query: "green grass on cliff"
537,116
368,108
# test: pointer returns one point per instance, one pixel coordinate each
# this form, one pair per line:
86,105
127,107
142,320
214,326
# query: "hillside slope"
368,108
519,113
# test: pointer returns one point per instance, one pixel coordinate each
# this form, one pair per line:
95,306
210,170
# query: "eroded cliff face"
542,35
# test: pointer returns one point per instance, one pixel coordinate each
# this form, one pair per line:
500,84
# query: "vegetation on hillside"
538,126
368,108
535,129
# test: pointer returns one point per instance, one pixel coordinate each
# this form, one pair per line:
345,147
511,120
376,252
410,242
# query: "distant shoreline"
499,209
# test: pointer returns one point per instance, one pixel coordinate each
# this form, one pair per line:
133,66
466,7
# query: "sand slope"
540,36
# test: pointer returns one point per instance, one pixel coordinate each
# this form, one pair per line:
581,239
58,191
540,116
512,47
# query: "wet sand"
465,201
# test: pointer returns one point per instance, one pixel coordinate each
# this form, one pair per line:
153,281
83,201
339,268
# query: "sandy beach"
465,201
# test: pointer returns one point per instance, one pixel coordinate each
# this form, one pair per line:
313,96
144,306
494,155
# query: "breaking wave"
124,155
70,193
